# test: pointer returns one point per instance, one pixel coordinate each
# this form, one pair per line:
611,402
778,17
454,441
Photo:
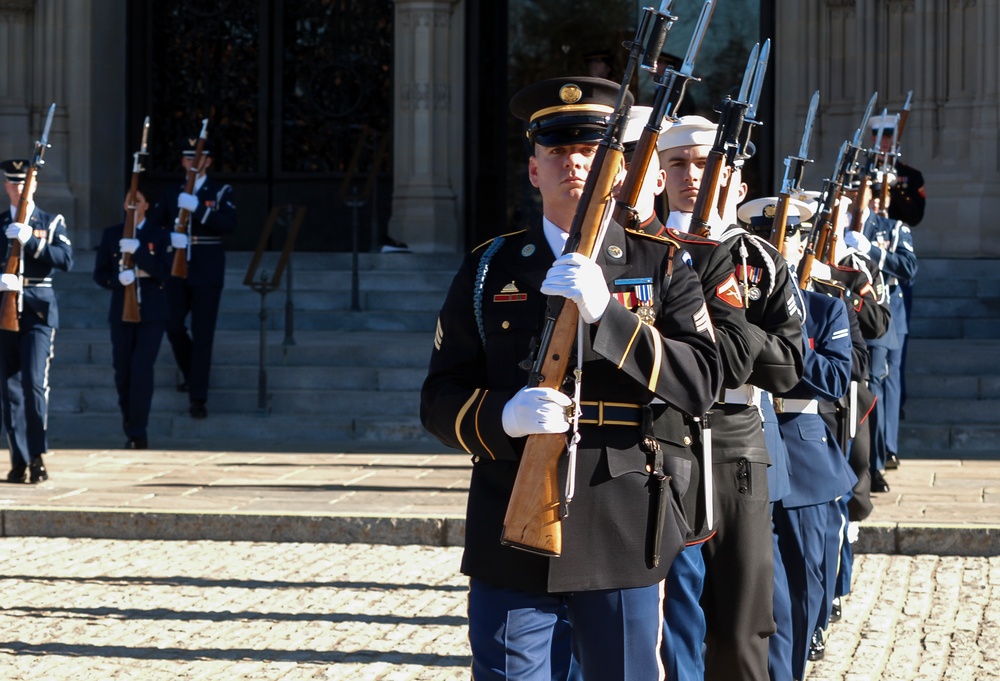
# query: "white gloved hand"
19,231
857,241
178,240
129,246
820,270
853,529
10,282
126,277
536,410
580,279
188,202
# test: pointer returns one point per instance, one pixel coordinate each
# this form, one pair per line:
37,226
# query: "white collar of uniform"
199,183
679,221
555,236
27,215
139,226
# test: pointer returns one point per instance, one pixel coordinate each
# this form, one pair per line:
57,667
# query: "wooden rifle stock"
180,268
10,306
777,237
532,522
628,194
708,193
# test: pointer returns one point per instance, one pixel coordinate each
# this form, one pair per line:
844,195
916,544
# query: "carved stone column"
428,131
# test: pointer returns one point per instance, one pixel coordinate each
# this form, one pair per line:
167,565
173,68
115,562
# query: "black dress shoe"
17,474
136,443
835,611
891,462
878,482
198,410
37,472
817,649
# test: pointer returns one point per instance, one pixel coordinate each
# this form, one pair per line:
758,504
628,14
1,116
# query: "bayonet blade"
145,136
909,99
758,79
687,68
44,141
748,74
859,133
204,128
881,128
807,132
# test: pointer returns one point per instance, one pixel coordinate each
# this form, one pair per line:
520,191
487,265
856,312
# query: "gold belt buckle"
779,405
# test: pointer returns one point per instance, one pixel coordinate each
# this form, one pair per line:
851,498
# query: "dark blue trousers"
134,348
684,624
193,352
519,636
802,542
25,357
779,645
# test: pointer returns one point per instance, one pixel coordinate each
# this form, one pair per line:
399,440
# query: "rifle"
10,307
795,167
179,268
893,154
670,87
741,153
533,521
863,173
130,308
726,150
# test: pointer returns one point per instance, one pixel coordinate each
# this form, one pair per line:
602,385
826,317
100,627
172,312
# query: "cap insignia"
769,210
570,93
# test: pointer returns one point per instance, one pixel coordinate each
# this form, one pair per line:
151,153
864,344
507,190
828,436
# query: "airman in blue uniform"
135,345
25,354
212,216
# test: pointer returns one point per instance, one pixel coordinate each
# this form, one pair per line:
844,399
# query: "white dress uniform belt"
610,414
790,406
206,240
37,282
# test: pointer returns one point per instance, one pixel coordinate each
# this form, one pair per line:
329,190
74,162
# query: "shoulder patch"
662,238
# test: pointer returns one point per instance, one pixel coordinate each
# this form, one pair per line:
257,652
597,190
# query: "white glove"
853,529
178,240
126,277
820,270
857,241
580,279
129,246
188,202
10,282
536,410
19,231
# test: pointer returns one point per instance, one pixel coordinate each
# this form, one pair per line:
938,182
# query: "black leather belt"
610,414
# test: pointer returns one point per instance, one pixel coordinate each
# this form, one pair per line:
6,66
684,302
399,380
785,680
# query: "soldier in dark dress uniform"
649,364
25,354
212,215
135,345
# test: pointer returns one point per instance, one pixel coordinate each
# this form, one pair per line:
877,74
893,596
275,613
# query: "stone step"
947,387
951,357
937,410
948,441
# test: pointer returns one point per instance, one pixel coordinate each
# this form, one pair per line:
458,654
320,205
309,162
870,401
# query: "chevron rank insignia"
703,323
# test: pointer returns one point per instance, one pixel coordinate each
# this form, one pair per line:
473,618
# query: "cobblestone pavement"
96,609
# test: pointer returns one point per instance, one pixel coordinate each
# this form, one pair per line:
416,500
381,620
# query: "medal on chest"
638,299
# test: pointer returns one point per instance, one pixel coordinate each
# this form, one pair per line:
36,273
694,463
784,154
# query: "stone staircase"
348,378
352,378
953,361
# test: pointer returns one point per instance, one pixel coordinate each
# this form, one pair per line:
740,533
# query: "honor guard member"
25,354
135,345
212,215
817,469
735,583
890,244
734,428
648,363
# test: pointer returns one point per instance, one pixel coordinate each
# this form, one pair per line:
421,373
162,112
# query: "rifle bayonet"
758,80
744,95
859,133
687,68
807,133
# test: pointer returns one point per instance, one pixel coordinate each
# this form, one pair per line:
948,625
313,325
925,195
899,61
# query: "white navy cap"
688,131
759,214
886,123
